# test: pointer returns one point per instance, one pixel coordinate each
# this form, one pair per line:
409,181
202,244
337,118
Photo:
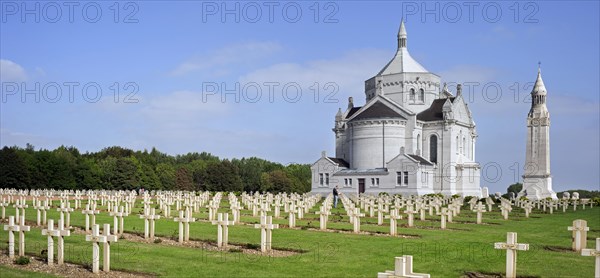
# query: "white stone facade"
412,136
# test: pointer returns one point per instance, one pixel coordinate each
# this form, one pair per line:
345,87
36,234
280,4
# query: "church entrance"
361,186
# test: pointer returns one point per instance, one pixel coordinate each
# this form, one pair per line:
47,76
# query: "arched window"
412,94
433,145
464,145
421,95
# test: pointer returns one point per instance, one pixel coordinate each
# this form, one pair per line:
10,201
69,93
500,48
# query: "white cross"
96,239
393,217
444,213
3,205
149,217
421,208
266,226
277,211
511,247
14,227
403,268
213,207
411,215
37,205
235,211
90,212
184,225
300,210
594,253
505,207
222,223
109,238
355,216
65,209
323,213
21,204
292,215
22,229
118,213
59,234
480,208
579,229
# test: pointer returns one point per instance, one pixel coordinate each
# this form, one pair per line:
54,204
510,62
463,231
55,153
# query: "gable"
435,111
380,107
461,111
378,110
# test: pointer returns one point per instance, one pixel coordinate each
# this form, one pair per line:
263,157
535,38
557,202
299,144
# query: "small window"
457,145
321,179
377,182
412,94
405,178
350,182
372,182
421,95
398,178
327,179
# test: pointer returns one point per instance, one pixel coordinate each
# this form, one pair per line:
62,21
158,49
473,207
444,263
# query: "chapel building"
411,137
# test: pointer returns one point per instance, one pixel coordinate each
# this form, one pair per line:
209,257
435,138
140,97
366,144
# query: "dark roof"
340,161
378,110
352,111
434,112
420,159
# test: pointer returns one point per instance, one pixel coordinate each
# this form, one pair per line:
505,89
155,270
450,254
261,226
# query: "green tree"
276,181
88,174
184,179
14,172
222,176
166,176
515,188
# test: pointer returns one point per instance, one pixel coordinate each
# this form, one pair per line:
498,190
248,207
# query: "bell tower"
537,181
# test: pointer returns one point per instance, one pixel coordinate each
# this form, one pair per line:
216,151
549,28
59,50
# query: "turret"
402,35
538,98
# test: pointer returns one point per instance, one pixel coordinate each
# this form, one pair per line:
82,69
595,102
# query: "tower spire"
402,35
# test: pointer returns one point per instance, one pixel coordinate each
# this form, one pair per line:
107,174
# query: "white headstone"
511,246
594,253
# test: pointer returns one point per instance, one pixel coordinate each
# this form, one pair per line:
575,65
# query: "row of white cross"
404,266
59,233
266,225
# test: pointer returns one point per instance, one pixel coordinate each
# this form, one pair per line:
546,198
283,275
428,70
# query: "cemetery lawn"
463,247
17,273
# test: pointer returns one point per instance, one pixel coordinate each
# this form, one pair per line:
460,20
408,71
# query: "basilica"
411,137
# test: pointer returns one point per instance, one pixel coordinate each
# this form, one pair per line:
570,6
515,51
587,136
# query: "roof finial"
539,66
402,35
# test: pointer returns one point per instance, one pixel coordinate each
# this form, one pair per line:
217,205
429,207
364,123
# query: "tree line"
118,168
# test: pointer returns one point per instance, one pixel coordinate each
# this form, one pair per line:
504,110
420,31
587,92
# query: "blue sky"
159,63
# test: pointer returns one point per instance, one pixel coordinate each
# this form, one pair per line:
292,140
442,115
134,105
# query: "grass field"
463,247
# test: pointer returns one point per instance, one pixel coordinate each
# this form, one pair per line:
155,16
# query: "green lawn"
16,273
442,253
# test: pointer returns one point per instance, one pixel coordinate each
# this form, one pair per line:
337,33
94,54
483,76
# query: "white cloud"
11,71
182,106
348,71
219,61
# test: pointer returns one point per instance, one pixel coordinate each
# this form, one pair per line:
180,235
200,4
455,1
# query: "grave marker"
511,246
594,253
403,268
